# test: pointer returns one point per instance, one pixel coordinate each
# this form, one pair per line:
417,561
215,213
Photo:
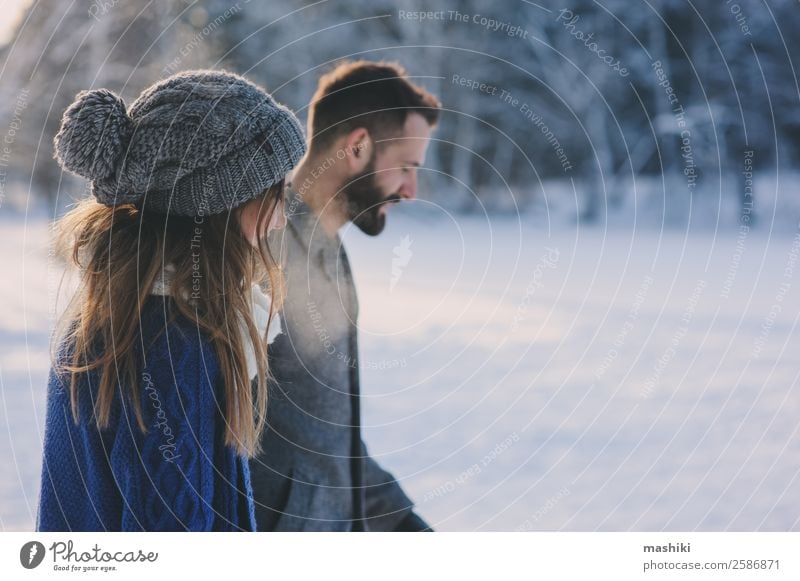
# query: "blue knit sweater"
179,475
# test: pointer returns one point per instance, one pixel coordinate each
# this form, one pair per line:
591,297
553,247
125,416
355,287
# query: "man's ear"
357,150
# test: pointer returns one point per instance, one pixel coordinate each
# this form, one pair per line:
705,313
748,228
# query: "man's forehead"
413,137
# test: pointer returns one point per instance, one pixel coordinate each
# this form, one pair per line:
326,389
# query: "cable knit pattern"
197,143
177,476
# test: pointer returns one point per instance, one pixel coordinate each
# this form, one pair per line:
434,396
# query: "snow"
522,378
24,362
671,411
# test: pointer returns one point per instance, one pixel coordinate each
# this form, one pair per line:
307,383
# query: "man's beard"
364,198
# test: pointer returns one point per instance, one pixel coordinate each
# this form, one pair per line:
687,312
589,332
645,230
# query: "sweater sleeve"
166,475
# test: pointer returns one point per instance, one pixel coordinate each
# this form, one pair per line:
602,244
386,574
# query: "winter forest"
589,111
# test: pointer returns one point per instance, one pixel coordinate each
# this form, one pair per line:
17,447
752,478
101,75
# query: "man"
369,128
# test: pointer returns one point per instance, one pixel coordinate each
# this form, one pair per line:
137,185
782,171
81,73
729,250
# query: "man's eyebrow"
413,163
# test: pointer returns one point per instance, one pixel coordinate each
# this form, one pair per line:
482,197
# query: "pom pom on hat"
94,134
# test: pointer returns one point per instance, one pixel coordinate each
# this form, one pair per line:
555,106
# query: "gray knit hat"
199,142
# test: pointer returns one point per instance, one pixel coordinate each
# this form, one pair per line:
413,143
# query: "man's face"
390,176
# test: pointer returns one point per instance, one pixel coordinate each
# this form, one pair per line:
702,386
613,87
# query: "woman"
151,412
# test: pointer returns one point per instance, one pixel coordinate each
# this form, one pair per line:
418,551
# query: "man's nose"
409,189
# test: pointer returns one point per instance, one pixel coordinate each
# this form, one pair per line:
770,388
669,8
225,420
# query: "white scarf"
261,303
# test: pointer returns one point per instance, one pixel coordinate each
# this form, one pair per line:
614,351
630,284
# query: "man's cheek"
391,184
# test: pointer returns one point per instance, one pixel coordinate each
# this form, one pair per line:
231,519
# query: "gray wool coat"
314,472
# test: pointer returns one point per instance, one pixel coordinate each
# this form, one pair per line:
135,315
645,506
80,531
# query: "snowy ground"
521,379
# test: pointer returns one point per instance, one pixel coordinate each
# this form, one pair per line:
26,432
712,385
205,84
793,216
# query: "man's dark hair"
375,95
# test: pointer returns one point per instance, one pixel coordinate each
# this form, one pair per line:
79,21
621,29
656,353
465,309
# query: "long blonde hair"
120,252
